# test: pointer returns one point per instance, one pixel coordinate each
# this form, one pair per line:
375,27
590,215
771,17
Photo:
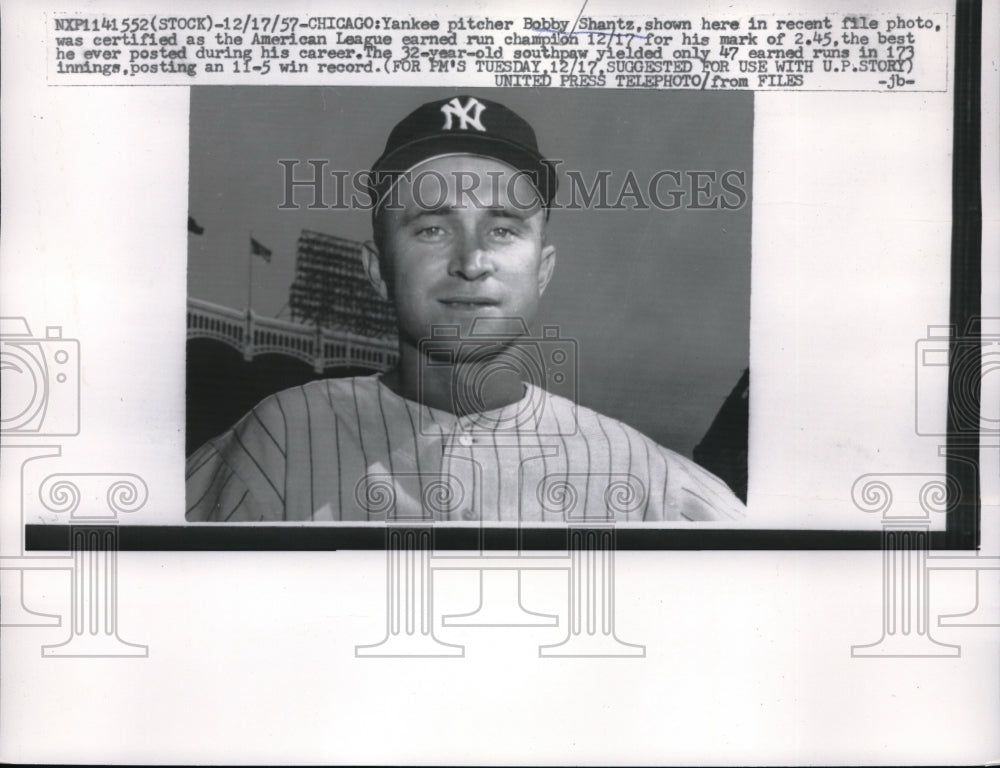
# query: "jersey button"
466,440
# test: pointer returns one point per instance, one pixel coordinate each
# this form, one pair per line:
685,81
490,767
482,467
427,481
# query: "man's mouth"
469,302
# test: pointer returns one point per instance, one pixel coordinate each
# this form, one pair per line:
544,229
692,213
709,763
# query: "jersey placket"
464,468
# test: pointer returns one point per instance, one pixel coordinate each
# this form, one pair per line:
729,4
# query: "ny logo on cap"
468,115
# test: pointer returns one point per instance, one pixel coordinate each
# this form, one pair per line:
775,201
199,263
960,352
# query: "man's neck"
460,389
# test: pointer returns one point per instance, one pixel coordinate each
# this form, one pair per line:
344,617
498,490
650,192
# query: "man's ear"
373,269
546,267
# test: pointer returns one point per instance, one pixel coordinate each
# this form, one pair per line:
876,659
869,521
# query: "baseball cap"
462,125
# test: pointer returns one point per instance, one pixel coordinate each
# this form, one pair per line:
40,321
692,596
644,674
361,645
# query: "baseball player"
453,432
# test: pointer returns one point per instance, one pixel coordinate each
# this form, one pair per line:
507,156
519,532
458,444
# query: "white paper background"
748,653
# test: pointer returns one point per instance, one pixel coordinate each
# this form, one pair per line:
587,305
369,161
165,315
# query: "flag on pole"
194,227
256,249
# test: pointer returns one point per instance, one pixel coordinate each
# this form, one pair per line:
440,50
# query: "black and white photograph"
547,384
605,359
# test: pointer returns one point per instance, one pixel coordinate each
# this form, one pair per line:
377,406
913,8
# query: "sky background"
657,301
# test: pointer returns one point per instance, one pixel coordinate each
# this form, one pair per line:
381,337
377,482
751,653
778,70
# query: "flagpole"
250,255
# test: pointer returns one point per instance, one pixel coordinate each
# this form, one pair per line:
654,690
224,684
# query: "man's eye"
503,232
431,231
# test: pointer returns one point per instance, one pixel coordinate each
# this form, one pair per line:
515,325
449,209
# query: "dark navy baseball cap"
462,125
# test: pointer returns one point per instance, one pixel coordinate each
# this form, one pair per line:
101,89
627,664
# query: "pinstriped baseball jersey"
353,450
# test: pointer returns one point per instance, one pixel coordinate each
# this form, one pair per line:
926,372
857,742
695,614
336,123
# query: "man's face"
464,238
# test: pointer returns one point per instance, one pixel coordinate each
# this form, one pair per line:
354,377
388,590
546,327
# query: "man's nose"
470,260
